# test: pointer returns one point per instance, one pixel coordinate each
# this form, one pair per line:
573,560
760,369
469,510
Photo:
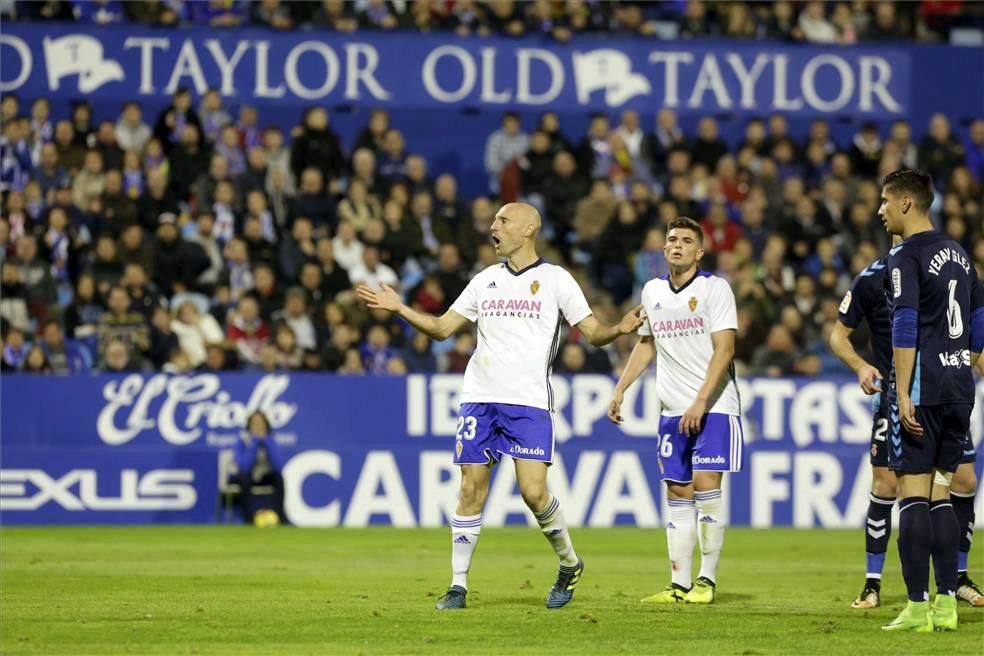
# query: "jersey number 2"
954,318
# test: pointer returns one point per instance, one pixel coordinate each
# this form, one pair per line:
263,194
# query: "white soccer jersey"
518,318
681,322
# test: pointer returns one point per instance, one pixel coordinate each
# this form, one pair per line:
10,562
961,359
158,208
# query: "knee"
964,480
885,485
535,495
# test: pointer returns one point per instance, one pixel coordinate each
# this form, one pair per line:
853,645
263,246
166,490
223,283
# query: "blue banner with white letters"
377,450
434,71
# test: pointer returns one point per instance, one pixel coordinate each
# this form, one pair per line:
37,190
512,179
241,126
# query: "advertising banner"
378,450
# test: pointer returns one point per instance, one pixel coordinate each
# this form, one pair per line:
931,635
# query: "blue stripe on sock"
875,563
962,561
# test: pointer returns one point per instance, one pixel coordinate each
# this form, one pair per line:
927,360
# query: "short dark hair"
911,182
686,223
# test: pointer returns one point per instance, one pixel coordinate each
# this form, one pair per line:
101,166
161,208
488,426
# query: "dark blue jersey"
865,301
933,274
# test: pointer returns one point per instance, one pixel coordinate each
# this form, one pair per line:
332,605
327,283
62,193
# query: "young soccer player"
507,400
936,302
866,301
691,321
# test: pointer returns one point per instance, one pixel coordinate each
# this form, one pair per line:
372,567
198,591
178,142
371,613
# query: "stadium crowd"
202,239
814,21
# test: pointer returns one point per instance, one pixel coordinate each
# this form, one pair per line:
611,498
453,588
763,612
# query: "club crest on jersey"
457,448
692,303
534,287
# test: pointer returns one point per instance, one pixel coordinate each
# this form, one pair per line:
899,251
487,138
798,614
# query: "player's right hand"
870,379
614,408
387,299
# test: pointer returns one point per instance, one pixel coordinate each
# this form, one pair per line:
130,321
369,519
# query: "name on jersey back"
945,255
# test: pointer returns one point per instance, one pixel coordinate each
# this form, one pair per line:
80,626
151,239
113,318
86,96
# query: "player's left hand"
631,321
692,418
907,413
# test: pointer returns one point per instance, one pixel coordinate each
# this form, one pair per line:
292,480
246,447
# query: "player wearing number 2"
507,400
936,303
691,325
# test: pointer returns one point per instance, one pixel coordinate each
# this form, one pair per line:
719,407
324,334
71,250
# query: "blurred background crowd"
204,237
816,22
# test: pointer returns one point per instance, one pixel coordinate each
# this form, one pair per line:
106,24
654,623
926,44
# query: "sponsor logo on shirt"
688,327
491,285
955,359
534,287
511,307
692,303
846,303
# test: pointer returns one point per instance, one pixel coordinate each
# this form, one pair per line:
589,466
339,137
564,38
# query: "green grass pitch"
240,590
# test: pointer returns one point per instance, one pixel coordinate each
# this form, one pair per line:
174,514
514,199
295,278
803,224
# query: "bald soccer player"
507,401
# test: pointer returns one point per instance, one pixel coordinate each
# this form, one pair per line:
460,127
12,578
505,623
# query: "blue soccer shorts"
487,431
717,447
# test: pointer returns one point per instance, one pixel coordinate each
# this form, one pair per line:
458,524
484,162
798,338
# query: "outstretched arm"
439,328
600,334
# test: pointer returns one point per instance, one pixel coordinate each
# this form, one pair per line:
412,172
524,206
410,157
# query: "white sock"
681,538
710,531
554,527
464,539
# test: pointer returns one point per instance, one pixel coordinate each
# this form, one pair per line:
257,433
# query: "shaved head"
522,213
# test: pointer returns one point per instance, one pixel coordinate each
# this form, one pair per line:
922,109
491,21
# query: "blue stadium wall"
463,85
143,449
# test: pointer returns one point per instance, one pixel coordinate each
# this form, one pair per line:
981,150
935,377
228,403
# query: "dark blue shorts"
944,444
487,431
717,447
879,432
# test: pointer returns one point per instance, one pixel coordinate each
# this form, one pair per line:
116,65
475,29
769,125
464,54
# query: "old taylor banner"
377,450
439,71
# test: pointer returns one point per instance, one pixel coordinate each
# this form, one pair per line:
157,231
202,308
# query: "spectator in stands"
318,147
974,150
61,356
179,262
266,291
313,202
82,316
372,272
507,144
144,297
372,136
940,152
187,161
36,362
334,278
272,13
564,188
40,290
814,26
49,173
358,207
295,315
14,349
120,324
171,122
419,356
247,331
195,330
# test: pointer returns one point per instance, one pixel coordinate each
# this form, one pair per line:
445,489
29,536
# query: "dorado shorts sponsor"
526,451
716,460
